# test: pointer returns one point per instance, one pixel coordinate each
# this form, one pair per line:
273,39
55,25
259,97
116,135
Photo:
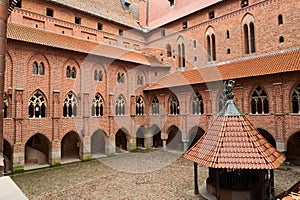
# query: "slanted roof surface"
51,39
232,142
258,66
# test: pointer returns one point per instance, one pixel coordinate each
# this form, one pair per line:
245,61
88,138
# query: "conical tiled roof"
233,142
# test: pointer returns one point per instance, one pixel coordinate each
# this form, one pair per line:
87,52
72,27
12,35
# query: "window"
211,15
197,104
296,100
121,78
5,108
174,105
155,106
37,106
181,52
49,12
228,51
184,25
38,69
140,106
280,20
97,106
126,6
120,106
281,39
252,38
71,72
98,76
77,20
222,100
195,43
140,80
259,101
163,33
68,72
19,4
244,3
70,105
211,47
99,26
172,2
246,39
227,34
249,44
120,32
169,51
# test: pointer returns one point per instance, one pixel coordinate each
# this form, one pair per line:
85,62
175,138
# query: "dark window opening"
208,48
120,32
227,34
163,33
19,4
296,100
252,38
99,26
211,15
49,12
213,47
172,2
195,43
126,6
155,106
184,25
169,51
228,51
280,19
77,20
281,39
244,3
246,39
174,106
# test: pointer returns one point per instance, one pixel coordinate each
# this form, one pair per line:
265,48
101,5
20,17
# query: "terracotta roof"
263,65
232,142
42,37
161,13
111,10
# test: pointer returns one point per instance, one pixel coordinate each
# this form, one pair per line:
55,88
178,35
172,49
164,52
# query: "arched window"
296,100
252,38
281,39
37,106
259,101
140,106
121,78
246,39
208,48
120,106
70,105
97,105
96,75
174,105
155,106
169,51
35,68
249,35
213,47
73,73
68,72
181,52
211,44
100,75
197,104
41,69
280,19
5,108
222,100
140,80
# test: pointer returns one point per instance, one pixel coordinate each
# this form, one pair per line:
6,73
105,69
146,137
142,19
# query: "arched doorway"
293,149
194,135
267,136
174,141
8,156
157,141
70,146
121,141
37,150
140,137
98,143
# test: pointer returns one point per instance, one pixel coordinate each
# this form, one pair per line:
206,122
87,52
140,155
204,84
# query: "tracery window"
97,105
121,78
197,104
259,101
140,106
37,106
120,105
155,106
38,69
296,100
174,105
70,105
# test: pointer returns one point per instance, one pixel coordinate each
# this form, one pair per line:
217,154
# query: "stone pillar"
111,147
164,137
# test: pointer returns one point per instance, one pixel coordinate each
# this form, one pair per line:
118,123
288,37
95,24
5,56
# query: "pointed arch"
155,106
210,44
37,150
296,99
97,105
181,52
37,105
120,105
122,139
174,105
70,105
248,33
293,149
8,156
140,137
99,143
140,105
259,101
156,135
194,135
174,141
197,104
71,146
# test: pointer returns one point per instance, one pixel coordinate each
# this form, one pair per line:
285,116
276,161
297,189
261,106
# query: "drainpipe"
3,29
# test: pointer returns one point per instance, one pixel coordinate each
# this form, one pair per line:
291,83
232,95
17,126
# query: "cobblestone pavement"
150,175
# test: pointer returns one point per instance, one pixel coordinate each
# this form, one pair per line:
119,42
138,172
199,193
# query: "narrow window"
213,47
99,26
155,106
73,72
49,12
174,105
163,33
280,20
169,51
208,48
183,54
195,43
70,105
77,20
227,34
97,106
184,25
252,38
140,106
68,72
179,55
222,100
41,69
281,39
120,106
211,15
246,39
296,100
244,3
172,2
35,68
228,51
121,78
197,104
5,108
100,75
126,6
120,32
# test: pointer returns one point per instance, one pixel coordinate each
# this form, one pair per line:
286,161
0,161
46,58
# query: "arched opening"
293,149
140,137
37,150
194,135
98,143
70,146
174,141
267,136
8,156
157,141
121,141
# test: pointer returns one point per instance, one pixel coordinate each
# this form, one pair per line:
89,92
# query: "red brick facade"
70,137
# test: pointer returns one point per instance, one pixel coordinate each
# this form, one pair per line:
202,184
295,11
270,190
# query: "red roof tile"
39,36
258,66
233,142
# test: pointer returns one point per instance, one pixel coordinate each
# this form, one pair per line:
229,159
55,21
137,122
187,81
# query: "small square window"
77,20
172,2
100,27
163,33
211,15
49,12
126,6
184,25
120,32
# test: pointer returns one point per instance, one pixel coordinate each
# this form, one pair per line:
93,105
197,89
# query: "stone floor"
148,175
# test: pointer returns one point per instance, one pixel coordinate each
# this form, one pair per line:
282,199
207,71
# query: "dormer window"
172,2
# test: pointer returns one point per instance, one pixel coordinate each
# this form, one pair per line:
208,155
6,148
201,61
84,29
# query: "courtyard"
141,175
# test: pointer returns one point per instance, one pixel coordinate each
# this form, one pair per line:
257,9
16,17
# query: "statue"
228,89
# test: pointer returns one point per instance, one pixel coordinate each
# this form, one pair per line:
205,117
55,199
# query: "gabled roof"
232,142
51,39
257,66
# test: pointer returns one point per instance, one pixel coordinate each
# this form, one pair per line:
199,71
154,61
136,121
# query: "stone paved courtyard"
148,175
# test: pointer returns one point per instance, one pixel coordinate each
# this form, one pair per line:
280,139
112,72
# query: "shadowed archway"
194,135
293,149
98,143
174,141
157,141
8,156
121,140
267,136
70,146
37,150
